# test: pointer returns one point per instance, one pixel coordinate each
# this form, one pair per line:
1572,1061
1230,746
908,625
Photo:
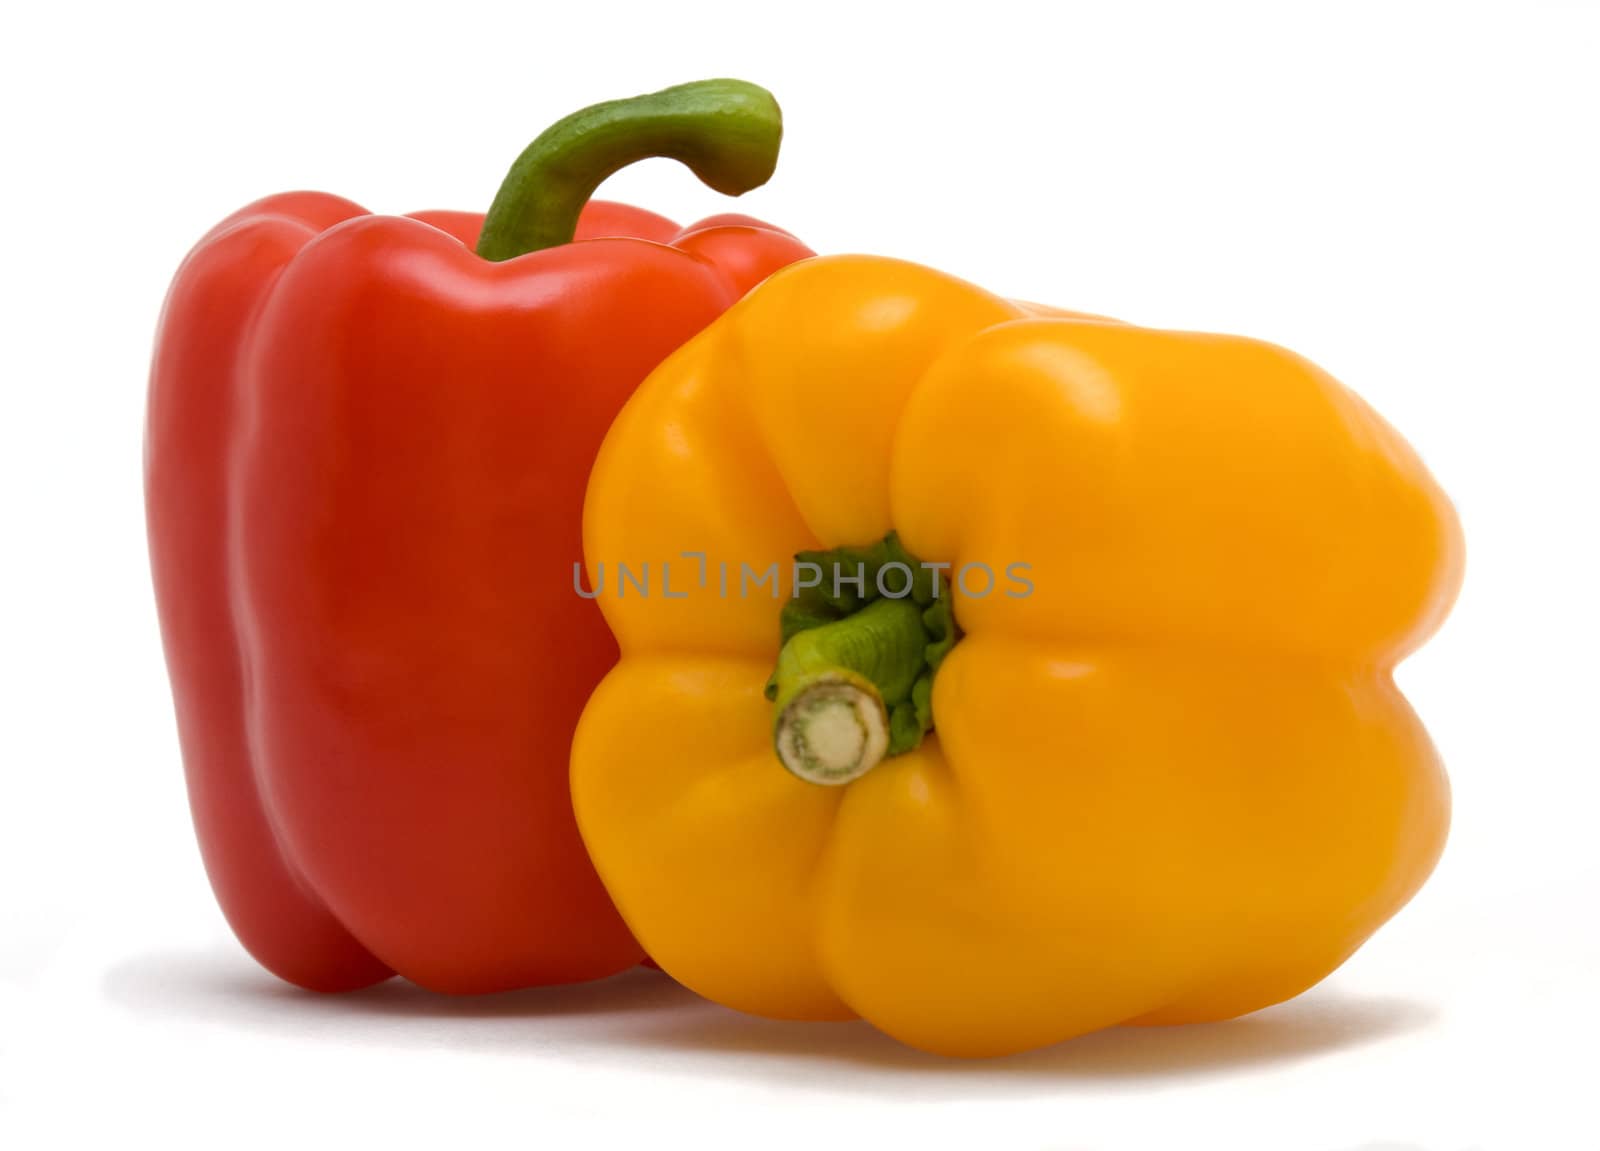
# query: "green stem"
726,131
854,680
836,685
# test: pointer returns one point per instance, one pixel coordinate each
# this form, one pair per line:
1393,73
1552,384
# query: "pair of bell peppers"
1163,775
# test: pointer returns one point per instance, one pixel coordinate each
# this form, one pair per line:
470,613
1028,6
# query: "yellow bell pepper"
1164,774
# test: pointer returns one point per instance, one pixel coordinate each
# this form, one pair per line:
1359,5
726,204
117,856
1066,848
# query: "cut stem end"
833,731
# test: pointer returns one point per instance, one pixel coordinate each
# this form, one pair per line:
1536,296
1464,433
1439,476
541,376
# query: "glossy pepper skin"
1174,783
366,453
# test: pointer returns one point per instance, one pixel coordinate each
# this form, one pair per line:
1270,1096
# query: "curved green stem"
726,131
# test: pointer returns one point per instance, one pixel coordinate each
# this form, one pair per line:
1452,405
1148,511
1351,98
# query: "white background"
1408,194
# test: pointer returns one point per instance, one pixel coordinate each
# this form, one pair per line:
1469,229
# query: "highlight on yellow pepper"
1089,718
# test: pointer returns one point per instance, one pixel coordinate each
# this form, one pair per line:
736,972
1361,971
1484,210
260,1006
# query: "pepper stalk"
854,679
726,131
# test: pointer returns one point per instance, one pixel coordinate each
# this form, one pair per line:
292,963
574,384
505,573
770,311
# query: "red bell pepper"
366,451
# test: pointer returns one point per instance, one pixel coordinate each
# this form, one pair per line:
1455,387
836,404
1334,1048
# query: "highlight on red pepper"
367,443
